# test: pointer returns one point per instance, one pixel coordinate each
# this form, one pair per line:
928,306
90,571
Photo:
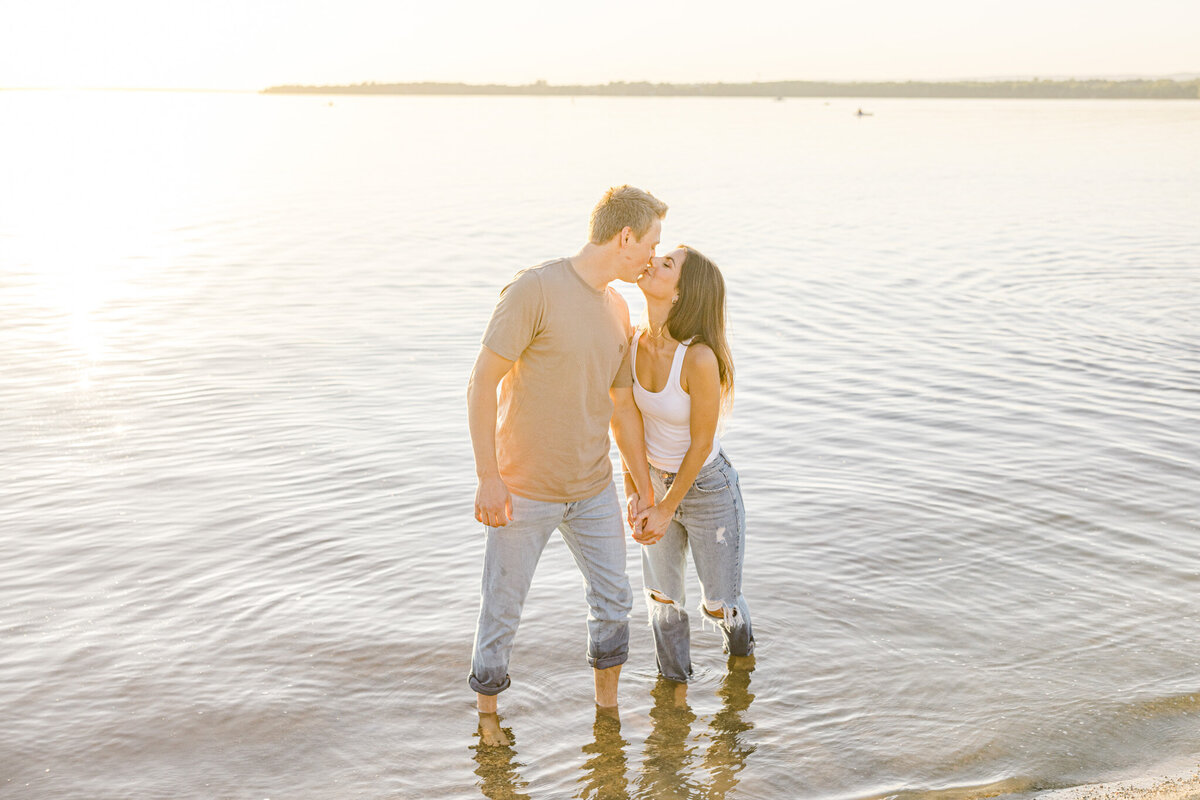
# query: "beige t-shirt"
570,344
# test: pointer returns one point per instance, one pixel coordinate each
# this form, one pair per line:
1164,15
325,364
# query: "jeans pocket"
710,482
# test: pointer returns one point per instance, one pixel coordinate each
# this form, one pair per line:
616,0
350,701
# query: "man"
557,346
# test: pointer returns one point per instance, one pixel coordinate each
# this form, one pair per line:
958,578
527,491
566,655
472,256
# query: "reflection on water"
673,766
667,768
497,768
727,750
605,767
674,763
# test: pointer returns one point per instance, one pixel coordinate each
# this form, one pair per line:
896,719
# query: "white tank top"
667,415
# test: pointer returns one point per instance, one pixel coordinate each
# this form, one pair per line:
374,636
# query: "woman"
683,380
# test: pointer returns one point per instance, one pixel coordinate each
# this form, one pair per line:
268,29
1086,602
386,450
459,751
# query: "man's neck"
595,265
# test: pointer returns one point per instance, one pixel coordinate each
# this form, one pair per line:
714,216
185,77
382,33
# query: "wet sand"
1163,784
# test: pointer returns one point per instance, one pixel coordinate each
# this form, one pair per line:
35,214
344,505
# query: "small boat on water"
861,113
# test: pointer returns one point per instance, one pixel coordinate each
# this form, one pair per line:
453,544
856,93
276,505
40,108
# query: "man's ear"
626,236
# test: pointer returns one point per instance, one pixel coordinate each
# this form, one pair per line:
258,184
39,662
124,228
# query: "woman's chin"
649,293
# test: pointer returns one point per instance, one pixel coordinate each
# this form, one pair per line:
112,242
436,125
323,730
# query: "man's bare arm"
631,442
493,503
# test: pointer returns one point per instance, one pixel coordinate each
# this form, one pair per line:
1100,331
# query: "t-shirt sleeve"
517,317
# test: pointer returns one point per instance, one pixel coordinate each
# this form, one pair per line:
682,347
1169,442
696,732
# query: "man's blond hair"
624,206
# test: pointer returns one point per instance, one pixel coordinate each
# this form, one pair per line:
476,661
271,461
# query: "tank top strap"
677,366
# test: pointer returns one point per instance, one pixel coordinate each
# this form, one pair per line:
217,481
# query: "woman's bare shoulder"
700,355
700,368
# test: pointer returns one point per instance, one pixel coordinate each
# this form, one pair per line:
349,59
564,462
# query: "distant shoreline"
1164,89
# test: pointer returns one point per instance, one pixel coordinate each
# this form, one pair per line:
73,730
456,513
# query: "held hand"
653,522
634,511
493,503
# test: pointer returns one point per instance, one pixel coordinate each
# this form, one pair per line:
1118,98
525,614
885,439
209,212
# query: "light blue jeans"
711,523
594,530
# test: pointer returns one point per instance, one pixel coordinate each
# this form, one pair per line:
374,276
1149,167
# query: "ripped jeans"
594,530
711,522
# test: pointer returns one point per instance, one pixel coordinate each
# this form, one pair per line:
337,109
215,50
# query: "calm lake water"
239,557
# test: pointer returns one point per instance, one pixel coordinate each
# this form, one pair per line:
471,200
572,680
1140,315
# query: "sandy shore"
1178,783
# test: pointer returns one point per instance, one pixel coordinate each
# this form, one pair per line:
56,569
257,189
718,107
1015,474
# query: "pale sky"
252,44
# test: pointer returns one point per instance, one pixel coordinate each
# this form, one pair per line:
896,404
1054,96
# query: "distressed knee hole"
718,611
664,609
720,615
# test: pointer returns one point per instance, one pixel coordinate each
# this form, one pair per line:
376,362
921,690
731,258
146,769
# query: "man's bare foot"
606,686
486,703
490,733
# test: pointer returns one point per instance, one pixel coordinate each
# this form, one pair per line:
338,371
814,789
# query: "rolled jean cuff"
609,661
677,677
483,688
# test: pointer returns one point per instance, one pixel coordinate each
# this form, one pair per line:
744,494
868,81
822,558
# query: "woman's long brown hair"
699,315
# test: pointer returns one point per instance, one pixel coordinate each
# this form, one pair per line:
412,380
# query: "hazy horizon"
248,46
1178,76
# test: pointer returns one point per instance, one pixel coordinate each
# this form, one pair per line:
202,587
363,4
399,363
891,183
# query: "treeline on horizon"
1163,89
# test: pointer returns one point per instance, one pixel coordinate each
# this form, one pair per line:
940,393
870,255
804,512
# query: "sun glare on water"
73,259
83,227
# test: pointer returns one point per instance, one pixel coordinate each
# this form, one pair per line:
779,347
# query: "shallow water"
236,481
